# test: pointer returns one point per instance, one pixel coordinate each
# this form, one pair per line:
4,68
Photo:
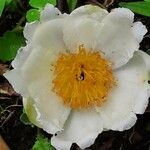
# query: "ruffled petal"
37,72
35,69
130,96
46,45
21,57
17,82
139,30
82,27
114,34
51,112
82,127
30,110
50,35
29,30
90,11
50,12
117,39
81,31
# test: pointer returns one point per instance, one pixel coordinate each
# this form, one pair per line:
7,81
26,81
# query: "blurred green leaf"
9,44
11,4
147,0
41,3
54,2
2,5
42,144
72,4
8,2
142,8
32,15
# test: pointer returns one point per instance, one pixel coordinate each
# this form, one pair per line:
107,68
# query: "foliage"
38,5
9,44
42,144
72,4
141,7
32,15
4,3
41,3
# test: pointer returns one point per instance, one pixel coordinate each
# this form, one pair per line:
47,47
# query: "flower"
82,73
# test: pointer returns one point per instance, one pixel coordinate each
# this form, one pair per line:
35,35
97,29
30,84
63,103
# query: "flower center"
83,79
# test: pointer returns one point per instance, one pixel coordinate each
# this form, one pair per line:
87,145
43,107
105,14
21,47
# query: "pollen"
83,79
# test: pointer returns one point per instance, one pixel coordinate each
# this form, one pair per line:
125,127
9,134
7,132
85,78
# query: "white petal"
21,57
82,127
38,75
50,35
29,30
116,38
17,81
51,112
146,59
36,71
46,45
139,30
82,26
113,34
50,12
45,115
30,109
130,96
90,11
80,31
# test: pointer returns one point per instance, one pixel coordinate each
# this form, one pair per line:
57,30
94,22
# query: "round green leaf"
42,143
33,15
41,3
9,44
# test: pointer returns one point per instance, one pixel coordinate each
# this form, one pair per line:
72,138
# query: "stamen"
83,79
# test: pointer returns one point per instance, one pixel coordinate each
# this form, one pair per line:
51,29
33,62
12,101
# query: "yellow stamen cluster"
82,79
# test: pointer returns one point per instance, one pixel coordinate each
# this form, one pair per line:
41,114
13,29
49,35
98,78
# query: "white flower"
82,73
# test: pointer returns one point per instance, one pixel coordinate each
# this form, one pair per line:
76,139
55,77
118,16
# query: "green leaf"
11,5
142,8
42,144
24,119
41,3
147,0
2,5
54,2
72,4
8,2
9,44
33,15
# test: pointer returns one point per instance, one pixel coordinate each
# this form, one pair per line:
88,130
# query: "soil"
22,137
